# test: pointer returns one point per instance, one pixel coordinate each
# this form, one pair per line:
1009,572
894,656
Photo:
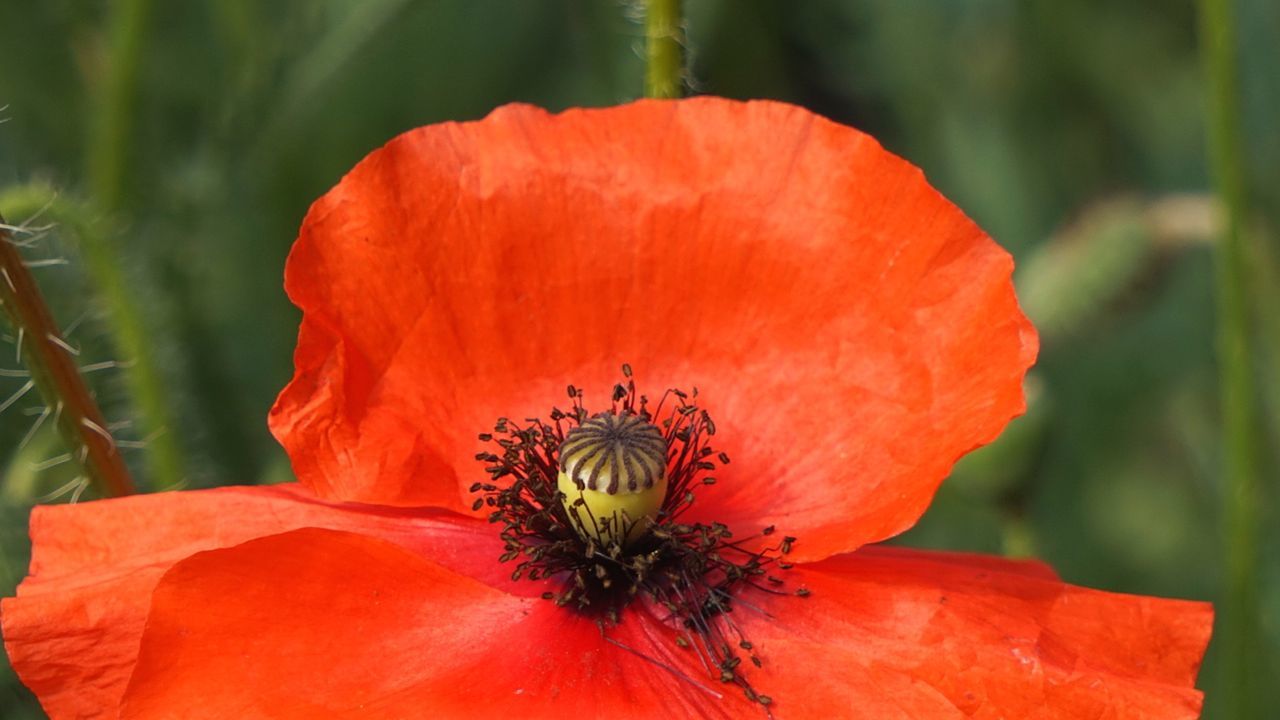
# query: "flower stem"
1238,642
664,49
110,148
53,370
111,124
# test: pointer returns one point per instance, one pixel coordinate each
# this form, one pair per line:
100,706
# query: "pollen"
613,476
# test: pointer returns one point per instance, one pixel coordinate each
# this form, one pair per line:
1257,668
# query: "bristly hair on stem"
688,572
53,370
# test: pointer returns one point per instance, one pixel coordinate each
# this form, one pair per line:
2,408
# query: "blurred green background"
177,146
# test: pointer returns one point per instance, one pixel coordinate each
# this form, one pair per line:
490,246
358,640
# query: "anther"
613,476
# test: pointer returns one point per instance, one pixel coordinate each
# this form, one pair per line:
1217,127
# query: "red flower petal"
72,632
852,332
74,647
315,623
900,633
321,624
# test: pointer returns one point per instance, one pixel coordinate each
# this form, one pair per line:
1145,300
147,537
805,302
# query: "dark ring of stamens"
695,571
626,450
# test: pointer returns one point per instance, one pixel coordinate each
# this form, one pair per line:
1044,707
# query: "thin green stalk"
1240,610
112,122
111,142
50,360
664,49
132,342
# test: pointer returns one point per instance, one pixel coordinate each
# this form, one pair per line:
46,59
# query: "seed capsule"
613,476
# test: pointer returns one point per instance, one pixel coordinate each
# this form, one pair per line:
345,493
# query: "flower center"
613,476
591,505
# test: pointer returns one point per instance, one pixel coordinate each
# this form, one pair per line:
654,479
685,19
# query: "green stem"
1239,636
111,136
664,49
53,370
130,338
111,130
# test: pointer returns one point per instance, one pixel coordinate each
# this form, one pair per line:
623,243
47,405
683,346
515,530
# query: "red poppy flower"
849,330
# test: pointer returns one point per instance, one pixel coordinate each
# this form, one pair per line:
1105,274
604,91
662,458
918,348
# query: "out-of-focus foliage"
1072,131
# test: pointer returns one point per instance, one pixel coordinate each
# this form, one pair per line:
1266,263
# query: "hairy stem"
111,137
664,49
53,370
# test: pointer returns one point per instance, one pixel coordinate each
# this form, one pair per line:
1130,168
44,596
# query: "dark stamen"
693,570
